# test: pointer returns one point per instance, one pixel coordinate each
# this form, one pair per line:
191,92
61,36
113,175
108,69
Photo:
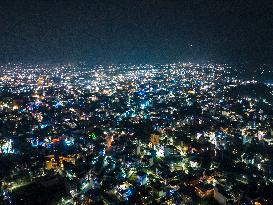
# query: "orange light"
56,140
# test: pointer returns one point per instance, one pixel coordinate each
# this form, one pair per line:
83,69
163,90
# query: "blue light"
58,104
142,92
172,191
102,152
34,142
68,142
127,194
48,146
43,126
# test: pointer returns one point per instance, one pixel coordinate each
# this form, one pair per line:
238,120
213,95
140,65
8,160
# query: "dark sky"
138,31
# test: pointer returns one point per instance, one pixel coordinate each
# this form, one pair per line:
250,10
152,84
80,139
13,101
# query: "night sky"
137,31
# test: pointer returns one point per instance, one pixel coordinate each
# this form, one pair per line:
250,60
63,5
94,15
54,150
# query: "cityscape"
181,133
136,102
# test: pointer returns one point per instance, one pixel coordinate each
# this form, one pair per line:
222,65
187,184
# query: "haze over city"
136,102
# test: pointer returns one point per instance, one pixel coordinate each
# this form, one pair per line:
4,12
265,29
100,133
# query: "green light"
93,135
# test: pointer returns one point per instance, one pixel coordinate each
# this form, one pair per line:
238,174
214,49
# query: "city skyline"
140,102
